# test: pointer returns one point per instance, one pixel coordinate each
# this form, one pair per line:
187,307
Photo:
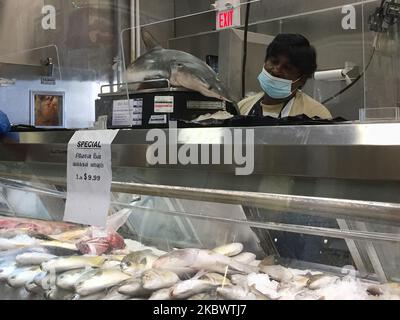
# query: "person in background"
5,125
289,63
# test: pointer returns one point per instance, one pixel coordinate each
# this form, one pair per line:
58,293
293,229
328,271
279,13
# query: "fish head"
138,262
149,66
195,75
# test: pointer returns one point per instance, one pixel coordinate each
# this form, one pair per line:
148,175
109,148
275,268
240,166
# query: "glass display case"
318,218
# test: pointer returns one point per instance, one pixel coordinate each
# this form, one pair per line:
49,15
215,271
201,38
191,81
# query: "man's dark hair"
298,49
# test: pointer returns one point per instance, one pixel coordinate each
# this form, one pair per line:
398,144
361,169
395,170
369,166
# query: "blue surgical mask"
274,87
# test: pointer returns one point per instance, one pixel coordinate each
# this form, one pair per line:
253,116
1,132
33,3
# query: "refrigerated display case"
317,219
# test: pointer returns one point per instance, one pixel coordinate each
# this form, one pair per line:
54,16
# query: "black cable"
354,82
246,30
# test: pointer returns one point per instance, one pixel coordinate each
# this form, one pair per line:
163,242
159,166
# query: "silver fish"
134,288
33,287
111,264
320,281
264,286
245,257
162,294
306,295
268,261
33,258
189,288
239,280
6,82
114,294
215,279
255,263
96,296
159,279
180,68
230,250
205,296
98,280
12,233
6,269
73,262
45,280
12,244
67,280
277,273
188,260
134,246
21,276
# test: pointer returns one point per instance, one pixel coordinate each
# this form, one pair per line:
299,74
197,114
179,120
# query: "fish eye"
128,264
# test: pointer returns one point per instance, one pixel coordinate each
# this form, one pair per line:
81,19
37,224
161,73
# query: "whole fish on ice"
67,280
98,280
189,260
134,288
70,263
22,276
230,250
33,258
136,263
159,279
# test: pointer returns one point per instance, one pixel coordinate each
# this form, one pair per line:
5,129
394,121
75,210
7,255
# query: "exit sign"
228,16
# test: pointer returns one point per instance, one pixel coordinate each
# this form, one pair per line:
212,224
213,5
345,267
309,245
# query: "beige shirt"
302,104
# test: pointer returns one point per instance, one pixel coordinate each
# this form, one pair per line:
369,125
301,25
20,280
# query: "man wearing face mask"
289,63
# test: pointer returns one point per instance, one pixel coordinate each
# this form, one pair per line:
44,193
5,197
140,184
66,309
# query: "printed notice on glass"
89,177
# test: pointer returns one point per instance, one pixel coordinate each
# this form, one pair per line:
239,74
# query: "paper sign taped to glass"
89,177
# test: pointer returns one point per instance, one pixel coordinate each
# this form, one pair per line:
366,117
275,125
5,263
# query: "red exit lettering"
226,19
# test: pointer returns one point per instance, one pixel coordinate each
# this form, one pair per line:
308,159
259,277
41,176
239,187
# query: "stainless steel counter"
348,151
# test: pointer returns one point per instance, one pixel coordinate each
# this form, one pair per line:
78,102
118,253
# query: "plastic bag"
105,240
